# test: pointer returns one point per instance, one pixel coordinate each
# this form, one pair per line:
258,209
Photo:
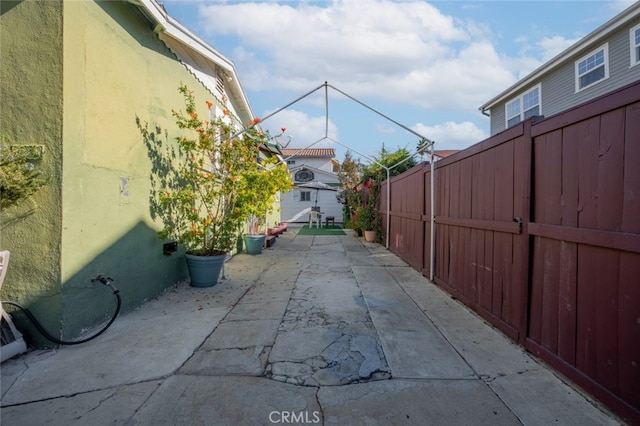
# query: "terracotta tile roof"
444,153
309,152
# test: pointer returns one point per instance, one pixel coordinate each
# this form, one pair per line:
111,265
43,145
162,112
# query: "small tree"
350,176
260,185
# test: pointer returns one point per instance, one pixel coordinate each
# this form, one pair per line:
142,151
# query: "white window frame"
521,110
605,49
634,45
305,196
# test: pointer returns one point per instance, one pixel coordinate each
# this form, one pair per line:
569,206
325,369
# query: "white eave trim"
177,31
594,37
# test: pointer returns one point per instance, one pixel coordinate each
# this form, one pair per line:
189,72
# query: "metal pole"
432,261
388,207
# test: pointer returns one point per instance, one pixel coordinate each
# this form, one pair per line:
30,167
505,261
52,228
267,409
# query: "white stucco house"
311,165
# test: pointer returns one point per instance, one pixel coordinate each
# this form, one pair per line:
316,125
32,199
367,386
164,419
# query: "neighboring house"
311,165
601,62
93,83
439,154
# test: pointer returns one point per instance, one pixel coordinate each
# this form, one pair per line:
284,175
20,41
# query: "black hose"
41,329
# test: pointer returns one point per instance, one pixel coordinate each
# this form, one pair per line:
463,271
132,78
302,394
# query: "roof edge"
174,29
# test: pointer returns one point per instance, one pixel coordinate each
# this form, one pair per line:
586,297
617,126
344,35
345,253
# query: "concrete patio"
315,330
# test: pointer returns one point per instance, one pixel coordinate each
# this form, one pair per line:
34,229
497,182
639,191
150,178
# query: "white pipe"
432,259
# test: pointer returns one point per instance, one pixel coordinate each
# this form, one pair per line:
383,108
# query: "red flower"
284,129
209,104
256,120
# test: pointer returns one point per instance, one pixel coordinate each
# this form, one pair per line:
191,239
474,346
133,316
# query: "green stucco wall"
31,113
112,76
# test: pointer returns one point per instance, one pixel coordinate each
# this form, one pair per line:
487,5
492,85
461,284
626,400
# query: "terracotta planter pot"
370,236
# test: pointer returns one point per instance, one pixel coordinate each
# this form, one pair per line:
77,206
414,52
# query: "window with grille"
523,107
305,195
592,68
634,42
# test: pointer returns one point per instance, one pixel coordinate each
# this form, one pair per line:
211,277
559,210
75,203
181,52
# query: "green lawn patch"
325,230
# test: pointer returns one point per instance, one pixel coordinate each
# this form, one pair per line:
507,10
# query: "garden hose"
41,329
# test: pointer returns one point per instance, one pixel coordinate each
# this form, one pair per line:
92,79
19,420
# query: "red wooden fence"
538,230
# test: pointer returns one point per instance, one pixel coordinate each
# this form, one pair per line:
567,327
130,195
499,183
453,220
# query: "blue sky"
426,65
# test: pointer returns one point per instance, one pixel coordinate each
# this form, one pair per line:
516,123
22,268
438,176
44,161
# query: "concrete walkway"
316,330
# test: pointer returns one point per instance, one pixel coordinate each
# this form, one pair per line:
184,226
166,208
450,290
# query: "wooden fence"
538,231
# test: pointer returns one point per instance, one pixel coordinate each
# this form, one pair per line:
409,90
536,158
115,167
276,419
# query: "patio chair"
12,341
314,217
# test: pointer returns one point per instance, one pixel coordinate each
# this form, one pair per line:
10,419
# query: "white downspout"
432,223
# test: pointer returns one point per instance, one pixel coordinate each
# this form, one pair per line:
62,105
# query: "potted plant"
254,240
200,206
259,188
368,218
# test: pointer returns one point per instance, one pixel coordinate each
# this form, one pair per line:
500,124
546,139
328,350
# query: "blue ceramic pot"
204,270
254,243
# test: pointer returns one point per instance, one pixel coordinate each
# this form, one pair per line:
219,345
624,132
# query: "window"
592,68
305,195
303,175
634,42
291,161
523,107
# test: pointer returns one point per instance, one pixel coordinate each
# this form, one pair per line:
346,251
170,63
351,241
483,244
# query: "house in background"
94,87
440,154
311,165
603,61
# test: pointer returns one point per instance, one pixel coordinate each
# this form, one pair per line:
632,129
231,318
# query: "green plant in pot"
254,240
200,207
368,217
259,188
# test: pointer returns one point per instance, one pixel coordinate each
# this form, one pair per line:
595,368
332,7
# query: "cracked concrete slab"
406,402
130,351
97,408
232,401
267,310
249,361
242,334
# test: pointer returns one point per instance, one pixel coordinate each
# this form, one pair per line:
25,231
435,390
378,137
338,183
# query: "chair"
12,341
314,217
331,219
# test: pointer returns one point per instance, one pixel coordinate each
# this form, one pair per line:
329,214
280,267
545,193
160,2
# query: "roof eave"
172,28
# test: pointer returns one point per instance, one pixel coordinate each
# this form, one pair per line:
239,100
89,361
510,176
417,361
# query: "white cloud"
380,128
552,46
301,128
450,135
404,52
